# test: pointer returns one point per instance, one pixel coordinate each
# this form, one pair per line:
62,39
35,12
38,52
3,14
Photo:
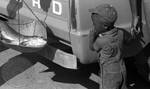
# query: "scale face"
24,35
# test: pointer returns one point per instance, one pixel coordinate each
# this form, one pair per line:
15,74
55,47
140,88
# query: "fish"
11,37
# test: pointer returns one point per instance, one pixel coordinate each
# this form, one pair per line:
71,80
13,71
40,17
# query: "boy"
107,40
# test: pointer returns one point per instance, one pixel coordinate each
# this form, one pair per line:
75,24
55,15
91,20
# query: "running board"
59,57
4,17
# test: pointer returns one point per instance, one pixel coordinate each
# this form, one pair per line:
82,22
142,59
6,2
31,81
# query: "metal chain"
43,21
19,22
45,17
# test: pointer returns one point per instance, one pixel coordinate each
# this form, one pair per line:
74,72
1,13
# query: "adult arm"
135,26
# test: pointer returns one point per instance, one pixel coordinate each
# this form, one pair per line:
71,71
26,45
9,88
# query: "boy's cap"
106,11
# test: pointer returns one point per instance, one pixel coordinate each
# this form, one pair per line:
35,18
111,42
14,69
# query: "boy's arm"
99,43
92,38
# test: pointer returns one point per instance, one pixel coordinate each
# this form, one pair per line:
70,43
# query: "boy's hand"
92,38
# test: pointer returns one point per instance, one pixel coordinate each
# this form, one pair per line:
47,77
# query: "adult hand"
135,27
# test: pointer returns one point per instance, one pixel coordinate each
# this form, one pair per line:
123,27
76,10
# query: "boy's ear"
106,27
94,15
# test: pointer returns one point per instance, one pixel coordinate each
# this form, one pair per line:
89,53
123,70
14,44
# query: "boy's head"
103,17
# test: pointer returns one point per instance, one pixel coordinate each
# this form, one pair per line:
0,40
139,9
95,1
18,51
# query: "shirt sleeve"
99,43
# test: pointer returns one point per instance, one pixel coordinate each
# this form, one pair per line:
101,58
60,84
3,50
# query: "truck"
69,23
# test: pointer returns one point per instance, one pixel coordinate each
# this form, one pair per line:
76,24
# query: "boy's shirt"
109,45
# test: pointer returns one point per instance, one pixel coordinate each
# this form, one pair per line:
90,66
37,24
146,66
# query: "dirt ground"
31,71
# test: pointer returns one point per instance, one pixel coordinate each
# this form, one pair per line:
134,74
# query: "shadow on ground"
134,80
80,76
15,66
20,63
138,69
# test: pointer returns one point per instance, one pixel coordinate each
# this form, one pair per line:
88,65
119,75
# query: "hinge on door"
73,15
